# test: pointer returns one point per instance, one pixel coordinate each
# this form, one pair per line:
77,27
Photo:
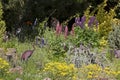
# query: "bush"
94,71
60,71
4,66
86,36
55,44
104,18
2,24
114,37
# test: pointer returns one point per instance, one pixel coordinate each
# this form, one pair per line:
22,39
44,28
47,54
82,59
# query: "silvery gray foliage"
114,37
83,55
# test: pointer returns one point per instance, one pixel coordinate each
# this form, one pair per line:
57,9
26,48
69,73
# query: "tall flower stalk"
57,28
66,32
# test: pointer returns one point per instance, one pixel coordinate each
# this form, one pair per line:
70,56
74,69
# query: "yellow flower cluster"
94,71
60,70
4,65
103,42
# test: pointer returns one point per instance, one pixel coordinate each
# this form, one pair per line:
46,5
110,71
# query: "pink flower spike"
60,29
57,28
72,32
66,32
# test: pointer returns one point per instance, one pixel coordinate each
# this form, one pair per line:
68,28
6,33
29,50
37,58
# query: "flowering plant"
4,66
60,71
94,71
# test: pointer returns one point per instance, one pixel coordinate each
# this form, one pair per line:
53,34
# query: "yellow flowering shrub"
107,18
94,71
60,71
4,66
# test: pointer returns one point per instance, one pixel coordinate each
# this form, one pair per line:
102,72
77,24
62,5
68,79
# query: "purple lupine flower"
80,22
77,20
83,19
91,21
42,43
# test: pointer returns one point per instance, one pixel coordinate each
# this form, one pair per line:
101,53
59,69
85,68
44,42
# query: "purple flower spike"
80,22
92,21
42,43
83,19
77,20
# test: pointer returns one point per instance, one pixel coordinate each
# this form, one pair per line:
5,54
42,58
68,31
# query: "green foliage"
9,44
2,24
41,27
86,36
13,12
55,44
114,37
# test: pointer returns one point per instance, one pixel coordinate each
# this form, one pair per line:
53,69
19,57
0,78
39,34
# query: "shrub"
114,37
104,18
103,42
4,66
86,36
60,71
94,71
2,24
55,44
84,55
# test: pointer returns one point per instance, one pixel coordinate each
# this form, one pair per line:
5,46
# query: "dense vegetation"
89,51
